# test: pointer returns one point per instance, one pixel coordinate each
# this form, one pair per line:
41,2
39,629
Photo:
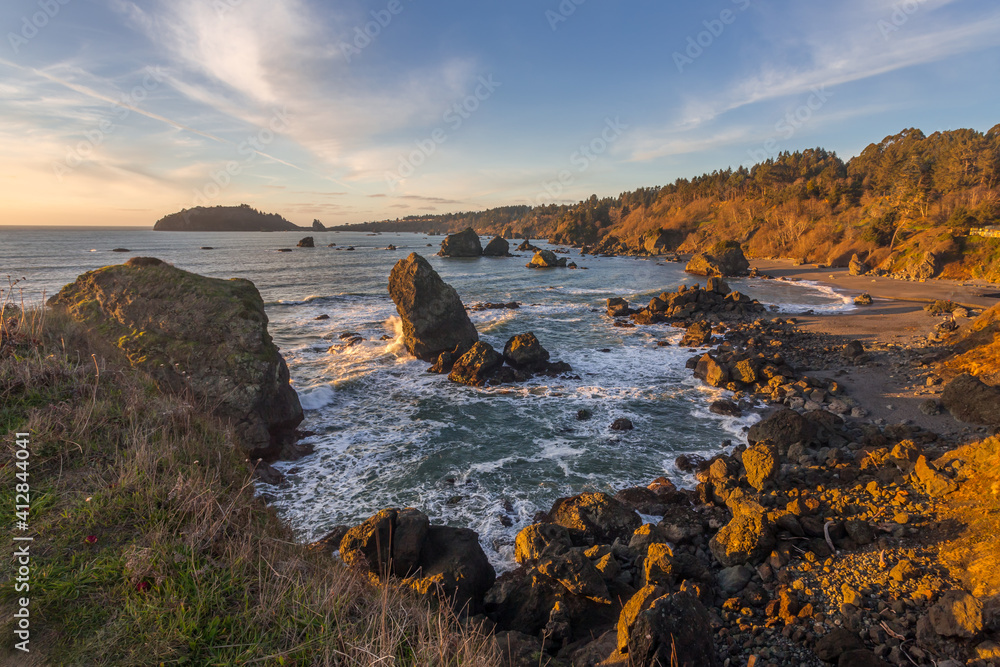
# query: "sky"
118,112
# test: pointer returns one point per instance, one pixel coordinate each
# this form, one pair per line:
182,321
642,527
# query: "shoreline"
894,329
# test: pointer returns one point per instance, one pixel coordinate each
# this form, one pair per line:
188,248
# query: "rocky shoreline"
818,542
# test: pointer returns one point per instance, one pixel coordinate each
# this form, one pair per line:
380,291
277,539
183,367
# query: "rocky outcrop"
674,630
857,266
970,400
307,242
434,319
546,259
439,560
463,244
596,514
725,260
524,351
206,337
475,366
498,247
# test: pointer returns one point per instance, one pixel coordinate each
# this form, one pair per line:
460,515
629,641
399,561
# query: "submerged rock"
204,336
434,319
463,244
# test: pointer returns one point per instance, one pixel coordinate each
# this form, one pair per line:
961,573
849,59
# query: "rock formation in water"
463,244
434,319
498,247
203,336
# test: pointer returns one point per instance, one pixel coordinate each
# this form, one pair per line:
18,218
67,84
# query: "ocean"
389,434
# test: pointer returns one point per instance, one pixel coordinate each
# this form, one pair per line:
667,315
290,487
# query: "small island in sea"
242,218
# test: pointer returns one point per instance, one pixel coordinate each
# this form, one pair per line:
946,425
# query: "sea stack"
434,319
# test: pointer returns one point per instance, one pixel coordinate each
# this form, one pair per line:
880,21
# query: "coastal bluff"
201,337
240,218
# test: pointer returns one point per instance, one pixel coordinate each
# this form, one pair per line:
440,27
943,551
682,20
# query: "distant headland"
242,218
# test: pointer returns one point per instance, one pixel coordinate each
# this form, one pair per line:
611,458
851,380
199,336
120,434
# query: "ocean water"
387,433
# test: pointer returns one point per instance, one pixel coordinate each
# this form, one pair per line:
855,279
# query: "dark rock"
622,424
643,500
389,542
498,247
783,428
434,319
853,349
524,351
970,400
675,630
724,407
204,337
830,646
576,574
475,366
324,316
454,566
307,242
860,658
583,414
596,514
463,244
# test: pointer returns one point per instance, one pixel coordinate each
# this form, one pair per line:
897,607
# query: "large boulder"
957,614
540,540
307,242
546,259
784,428
674,630
748,537
453,565
968,399
205,337
463,244
476,366
434,319
498,247
389,542
761,463
524,351
726,259
596,514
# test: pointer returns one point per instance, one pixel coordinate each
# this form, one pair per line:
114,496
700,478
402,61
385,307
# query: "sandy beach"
895,330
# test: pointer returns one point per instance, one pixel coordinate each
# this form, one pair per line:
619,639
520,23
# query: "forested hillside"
905,204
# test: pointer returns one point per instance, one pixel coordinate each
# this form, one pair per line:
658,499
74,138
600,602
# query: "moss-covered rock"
206,337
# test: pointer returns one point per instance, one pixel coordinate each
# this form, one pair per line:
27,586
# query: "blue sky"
119,112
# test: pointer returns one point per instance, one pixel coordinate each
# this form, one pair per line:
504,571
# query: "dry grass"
150,547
